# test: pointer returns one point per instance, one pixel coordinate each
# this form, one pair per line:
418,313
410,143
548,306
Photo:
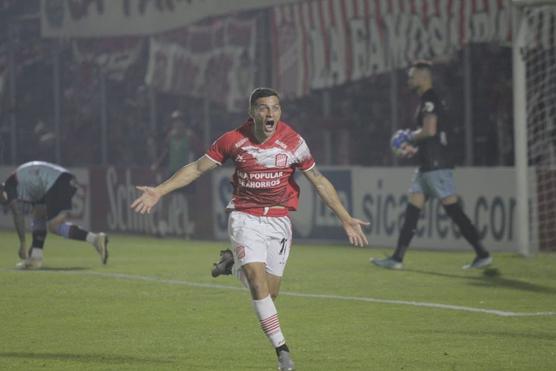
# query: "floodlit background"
124,92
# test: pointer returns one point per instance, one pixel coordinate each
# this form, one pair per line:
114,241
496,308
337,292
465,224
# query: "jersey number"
283,248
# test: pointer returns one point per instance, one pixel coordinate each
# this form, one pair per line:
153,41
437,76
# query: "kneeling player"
49,189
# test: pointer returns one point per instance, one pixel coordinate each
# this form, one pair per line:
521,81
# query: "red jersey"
263,174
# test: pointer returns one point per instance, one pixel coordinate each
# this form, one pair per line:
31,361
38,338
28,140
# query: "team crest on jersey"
281,160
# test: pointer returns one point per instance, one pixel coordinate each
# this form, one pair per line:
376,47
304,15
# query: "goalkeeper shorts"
434,184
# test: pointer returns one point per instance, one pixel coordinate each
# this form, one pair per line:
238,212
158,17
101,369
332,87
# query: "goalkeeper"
434,176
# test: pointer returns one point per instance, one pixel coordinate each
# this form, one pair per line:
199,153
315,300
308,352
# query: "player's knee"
417,200
55,223
450,200
259,289
53,226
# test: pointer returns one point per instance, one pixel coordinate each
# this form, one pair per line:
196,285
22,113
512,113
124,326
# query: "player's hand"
401,144
22,251
407,150
148,199
355,232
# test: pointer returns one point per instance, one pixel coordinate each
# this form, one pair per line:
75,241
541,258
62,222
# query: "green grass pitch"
156,307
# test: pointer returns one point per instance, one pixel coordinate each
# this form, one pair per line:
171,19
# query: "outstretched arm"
328,193
183,177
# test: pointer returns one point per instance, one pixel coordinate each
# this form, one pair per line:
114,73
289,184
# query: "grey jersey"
35,178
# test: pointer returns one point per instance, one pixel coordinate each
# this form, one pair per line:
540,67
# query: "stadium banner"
488,198
113,191
324,43
81,206
379,196
112,55
100,18
214,60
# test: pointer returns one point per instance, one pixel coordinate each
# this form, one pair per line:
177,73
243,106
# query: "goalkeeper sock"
407,232
268,317
467,229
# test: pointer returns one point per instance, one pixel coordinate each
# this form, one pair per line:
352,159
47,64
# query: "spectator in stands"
179,148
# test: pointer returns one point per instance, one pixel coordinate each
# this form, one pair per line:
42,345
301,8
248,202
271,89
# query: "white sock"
91,238
268,317
36,253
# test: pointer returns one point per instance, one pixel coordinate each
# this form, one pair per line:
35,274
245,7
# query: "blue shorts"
434,184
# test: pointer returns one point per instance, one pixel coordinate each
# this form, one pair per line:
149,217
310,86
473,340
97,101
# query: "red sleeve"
307,164
305,160
220,151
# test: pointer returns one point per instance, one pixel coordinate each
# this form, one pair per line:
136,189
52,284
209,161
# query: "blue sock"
64,230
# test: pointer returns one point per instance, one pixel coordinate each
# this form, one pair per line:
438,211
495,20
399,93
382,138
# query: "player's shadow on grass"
94,358
492,277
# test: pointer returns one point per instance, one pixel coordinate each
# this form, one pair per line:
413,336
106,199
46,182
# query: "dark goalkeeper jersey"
433,152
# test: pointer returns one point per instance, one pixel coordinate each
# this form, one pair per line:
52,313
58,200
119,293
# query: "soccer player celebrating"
266,152
49,189
434,176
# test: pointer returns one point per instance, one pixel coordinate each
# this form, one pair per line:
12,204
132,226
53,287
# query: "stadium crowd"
347,124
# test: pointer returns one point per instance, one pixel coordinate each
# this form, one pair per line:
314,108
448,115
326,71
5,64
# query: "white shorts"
262,239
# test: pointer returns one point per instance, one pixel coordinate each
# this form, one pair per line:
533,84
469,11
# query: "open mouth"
269,124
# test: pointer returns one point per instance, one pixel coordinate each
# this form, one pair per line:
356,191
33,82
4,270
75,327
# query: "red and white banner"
98,18
324,43
214,61
113,55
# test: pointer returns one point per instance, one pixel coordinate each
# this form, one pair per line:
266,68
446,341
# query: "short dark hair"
422,65
262,93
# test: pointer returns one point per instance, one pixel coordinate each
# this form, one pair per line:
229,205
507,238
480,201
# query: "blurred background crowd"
82,102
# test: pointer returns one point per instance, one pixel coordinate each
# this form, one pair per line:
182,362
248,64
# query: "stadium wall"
105,193
374,194
379,196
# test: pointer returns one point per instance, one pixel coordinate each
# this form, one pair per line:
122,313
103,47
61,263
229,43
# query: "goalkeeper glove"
401,137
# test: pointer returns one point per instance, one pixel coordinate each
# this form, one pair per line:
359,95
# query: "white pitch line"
131,277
